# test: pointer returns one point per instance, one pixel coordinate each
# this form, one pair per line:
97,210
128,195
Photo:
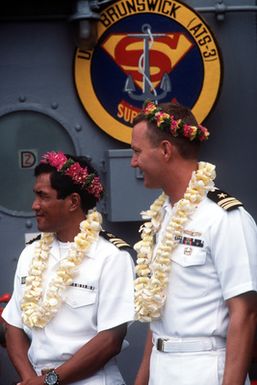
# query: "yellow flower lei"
36,310
153,273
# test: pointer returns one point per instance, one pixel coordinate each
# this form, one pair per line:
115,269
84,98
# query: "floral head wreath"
168,123
79,175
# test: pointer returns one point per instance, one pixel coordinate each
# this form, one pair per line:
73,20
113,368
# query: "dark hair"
64,185
188,149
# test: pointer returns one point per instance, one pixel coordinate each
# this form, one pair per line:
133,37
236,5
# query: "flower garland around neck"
38,308
153,271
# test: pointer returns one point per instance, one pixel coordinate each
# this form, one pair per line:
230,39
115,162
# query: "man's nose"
35,205
133,162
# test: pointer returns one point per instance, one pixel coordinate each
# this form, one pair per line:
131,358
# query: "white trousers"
198,368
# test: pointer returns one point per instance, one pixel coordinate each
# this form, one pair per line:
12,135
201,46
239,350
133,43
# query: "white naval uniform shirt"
219,264
101,298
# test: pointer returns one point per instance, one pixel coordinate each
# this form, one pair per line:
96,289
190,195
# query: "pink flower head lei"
168,123
79,175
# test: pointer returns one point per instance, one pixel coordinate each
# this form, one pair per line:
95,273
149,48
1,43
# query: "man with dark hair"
197,260
73,288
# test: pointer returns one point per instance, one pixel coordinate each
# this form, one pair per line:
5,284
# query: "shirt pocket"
77,297
189,273
187,256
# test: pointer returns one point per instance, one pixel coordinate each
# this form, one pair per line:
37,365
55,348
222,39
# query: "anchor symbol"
149,92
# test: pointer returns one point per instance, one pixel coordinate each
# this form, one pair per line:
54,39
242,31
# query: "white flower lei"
153,274
36,310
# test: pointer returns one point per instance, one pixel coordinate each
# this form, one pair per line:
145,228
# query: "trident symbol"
149,92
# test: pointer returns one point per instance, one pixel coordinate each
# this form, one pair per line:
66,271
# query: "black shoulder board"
224,200
34,239
118,242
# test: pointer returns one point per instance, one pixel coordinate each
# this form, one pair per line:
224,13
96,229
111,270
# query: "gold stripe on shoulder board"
118,242
231,203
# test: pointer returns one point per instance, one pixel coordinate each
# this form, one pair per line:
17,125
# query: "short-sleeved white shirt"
216,260
101,297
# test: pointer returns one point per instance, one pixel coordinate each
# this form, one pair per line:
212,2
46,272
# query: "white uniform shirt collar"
166,214
55,250
167,207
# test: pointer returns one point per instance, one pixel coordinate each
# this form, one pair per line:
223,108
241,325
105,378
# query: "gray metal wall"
36,74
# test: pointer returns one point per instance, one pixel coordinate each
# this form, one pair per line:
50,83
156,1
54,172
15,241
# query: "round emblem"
147,49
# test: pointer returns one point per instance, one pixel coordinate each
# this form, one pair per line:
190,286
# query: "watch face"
51,378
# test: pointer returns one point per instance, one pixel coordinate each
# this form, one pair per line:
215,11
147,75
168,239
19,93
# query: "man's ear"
75,201
167,149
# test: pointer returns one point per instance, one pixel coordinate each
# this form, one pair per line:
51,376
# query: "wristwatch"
51,378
